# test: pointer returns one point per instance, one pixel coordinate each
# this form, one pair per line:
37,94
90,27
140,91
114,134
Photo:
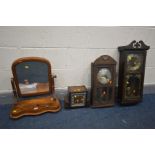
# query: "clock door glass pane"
110,93
101,94
104,94
132,85
104,76
134,62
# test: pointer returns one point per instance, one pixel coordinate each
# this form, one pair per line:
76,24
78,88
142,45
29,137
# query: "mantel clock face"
103,81
77,97
131,72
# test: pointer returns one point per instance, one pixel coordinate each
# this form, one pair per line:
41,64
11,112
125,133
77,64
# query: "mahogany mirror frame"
15,83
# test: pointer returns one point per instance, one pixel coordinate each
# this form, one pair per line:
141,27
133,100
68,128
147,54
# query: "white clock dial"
104,76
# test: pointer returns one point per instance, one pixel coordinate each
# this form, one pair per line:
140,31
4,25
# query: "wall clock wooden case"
131,72
103,75
32,77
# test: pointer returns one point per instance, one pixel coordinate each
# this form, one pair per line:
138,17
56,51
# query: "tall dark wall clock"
131,72
103,81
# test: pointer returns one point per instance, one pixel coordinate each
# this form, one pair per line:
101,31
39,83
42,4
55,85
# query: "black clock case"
124,51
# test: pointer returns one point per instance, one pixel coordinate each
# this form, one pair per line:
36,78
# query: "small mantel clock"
77,97
103,74
131,72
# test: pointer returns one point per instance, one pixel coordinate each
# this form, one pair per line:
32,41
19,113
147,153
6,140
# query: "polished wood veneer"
35,107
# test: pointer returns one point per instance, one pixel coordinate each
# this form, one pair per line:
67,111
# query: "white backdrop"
70,50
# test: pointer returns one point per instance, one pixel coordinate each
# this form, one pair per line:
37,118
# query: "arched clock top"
104,59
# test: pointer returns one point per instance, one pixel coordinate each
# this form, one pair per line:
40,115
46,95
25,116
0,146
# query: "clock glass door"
104,91
134,62
132,86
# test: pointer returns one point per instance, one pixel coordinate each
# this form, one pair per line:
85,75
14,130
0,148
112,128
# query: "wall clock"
103,74
131,72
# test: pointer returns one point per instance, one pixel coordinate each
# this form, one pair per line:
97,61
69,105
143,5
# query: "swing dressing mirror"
32,77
